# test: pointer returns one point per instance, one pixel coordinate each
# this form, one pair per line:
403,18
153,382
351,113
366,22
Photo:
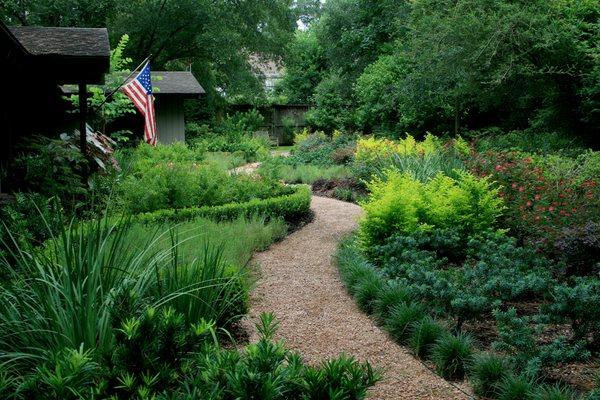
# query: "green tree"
304,63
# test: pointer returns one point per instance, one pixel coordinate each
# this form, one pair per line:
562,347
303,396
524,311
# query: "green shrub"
515,387
152,349
402,204
266,370
401,318
322,150
487,372
173,185
67,374
452,355
292,205
424,334
301,173
368,291
579,305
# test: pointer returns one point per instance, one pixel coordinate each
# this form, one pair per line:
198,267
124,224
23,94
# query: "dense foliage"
450,66
484,262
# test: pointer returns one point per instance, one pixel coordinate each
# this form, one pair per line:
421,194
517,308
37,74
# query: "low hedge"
292,207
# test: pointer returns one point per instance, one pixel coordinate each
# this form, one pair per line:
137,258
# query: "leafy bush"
267,370
53,168
540,204
403,204
527,141
487,372
293,205
322,150
424,159
452,355
579,248
156,182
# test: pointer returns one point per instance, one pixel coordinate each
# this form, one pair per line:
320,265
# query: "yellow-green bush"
371,148
402,204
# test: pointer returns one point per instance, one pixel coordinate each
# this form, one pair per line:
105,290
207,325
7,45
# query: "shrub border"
292,207
358,274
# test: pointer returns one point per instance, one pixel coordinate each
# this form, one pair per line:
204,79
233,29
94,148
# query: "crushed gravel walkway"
300,284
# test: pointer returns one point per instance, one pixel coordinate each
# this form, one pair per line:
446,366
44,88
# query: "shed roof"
176,82
76,42
165,82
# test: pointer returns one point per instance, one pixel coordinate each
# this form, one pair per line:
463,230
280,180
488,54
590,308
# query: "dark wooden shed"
34,62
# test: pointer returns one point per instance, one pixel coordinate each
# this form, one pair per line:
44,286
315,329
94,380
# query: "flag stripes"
139,90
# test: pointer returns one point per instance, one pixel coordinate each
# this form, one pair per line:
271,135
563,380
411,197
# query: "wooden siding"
170,121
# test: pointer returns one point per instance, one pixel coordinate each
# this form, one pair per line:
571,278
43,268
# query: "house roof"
165,82
75,42
176,82
57,55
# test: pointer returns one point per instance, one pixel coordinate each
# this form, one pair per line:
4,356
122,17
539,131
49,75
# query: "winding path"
300,284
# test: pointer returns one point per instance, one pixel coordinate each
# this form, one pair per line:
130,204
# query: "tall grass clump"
516,387
391,296
554,392
487,373
73,291
60,296
401,319
452,354
423,336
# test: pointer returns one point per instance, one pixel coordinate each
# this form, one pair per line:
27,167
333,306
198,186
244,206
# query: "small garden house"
171,88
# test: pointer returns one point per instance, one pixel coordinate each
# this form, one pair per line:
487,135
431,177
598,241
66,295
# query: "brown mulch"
300,284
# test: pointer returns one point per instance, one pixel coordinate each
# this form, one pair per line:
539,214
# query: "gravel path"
300,284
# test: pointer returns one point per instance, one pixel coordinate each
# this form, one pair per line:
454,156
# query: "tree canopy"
452,65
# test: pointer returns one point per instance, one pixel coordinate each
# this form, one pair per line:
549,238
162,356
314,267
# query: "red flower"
521,189
537,197
529,203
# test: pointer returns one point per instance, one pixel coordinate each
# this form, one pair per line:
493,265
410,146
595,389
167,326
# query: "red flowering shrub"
539,204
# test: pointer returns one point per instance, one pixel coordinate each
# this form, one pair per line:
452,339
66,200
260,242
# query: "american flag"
139,90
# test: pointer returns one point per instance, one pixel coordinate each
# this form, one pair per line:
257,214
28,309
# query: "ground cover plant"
471,268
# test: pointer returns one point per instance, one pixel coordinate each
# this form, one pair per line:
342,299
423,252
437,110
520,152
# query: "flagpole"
108,96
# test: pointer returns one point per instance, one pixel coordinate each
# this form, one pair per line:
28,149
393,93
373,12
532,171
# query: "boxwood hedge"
292,206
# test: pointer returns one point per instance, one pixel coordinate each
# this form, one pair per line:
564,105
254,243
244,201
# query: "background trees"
212,37
457,65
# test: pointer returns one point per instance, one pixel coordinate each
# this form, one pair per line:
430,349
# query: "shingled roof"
76,42
165,82
176,82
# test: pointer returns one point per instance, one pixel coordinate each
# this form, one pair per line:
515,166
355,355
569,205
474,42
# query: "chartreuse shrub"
424,160
402,204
